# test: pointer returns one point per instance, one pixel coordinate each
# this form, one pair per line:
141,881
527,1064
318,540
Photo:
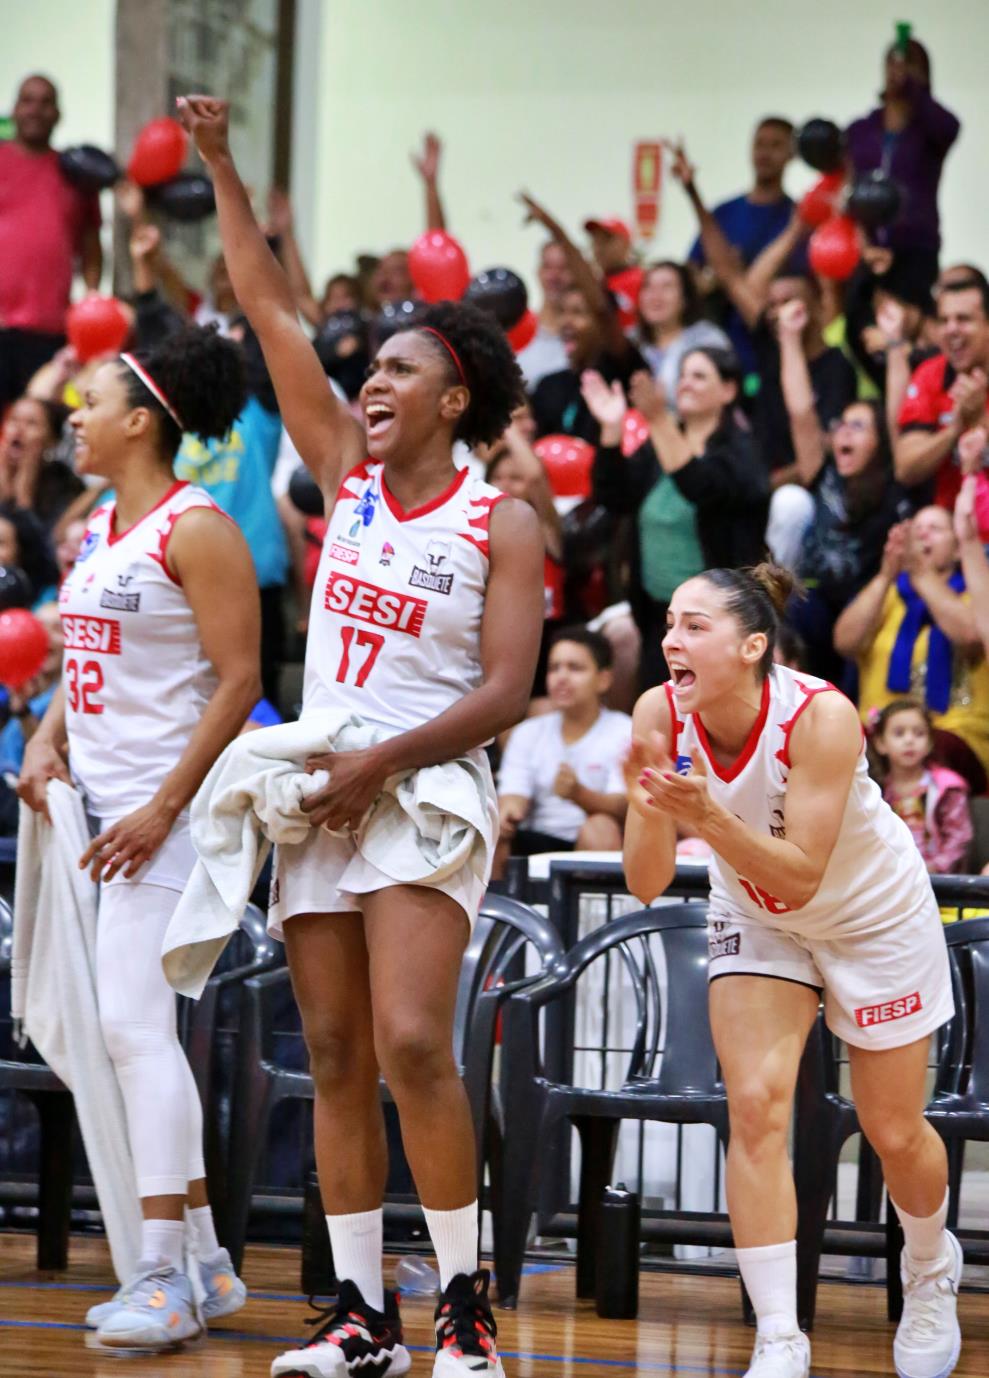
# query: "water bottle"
318,1279
616,1286
415,1275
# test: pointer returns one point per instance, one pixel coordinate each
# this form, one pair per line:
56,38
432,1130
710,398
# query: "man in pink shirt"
46,226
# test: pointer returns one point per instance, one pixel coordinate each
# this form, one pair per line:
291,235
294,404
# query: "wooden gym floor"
688,1325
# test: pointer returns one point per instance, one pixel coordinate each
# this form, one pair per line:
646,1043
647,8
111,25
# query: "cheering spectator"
696,488
46,225
888,311
24,545
752,221
931,799
670,323
561,774
912,629
31,477
947,394
908,136
546,354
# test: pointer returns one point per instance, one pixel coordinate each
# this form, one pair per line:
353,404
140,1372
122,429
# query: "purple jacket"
913,158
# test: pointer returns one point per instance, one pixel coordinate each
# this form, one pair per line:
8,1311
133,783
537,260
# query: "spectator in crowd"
545,354
24,545
670,324
560,787
696,488
752,221
908,136
219,306
31,477
611,246
931,799
912,630
889,310
47,225
947,394
972,553
513,467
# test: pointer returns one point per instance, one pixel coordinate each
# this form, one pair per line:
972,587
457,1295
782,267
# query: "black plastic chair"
23,1071
490,973
677,1083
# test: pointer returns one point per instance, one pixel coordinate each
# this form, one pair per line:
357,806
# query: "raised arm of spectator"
154,317
585,279
537,490
772,260
427,164
856,628
975,566
921,448
91,257
322,429
722,258
798,393
281,225
669,442
952,613
621,482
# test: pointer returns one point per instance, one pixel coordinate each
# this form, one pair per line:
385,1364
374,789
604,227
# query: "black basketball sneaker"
466,1330
352,1338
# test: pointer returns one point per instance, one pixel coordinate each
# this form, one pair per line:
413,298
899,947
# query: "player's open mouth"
682,677
378,417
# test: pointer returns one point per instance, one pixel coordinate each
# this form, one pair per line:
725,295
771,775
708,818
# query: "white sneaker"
157,1311
223,1292
780,1356
928,1340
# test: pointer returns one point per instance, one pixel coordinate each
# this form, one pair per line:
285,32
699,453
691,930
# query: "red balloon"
96,325
159,152
23,646
438,267
834,248
523,332
568,462
820,203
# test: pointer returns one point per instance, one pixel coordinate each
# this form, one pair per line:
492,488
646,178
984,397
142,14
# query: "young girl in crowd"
931,799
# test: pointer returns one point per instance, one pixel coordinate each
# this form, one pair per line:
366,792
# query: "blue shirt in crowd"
236,472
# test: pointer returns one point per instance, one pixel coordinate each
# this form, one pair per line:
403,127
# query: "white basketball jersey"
395,622
875,875
135,675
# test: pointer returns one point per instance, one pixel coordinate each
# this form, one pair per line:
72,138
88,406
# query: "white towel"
53,991
425,825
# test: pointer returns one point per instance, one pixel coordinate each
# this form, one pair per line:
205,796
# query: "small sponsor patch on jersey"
387,553
870,1015
368,603
684,765
726,946
347,555
425,579
91,634
89,543
122,602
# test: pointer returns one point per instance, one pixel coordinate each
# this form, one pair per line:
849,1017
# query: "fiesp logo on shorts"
91,634
870,1015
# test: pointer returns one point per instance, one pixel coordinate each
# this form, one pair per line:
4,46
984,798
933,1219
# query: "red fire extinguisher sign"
647,183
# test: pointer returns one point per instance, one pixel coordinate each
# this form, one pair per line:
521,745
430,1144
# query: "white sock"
357,1241
204,1230
924,1238
770,1277
455,1239
164,1240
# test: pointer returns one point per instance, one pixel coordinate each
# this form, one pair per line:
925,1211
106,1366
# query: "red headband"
428,329
151,386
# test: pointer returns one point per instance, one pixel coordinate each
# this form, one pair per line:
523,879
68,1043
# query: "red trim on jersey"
783,755
675,722
160,556
113,536
359,472
482,522
732,772
399,512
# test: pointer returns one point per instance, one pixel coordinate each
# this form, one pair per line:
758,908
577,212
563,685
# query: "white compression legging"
137,1014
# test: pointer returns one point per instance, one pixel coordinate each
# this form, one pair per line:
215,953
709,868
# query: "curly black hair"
201,374
490,367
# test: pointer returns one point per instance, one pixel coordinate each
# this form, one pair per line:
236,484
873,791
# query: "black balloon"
89,168
187,197
340,336
822,145
15,589
502,293
393,317
874,200
305,493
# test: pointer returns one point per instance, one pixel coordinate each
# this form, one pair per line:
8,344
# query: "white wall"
70,41
551,94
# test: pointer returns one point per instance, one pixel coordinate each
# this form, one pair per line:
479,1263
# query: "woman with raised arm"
162,630
816,890
425,621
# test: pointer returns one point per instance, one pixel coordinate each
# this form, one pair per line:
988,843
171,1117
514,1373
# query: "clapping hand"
606,404
647,395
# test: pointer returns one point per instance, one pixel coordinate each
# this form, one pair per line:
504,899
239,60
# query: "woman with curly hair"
161,621
425,622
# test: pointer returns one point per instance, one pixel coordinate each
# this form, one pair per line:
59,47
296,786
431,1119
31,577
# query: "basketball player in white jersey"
162,631
426,619
816,886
